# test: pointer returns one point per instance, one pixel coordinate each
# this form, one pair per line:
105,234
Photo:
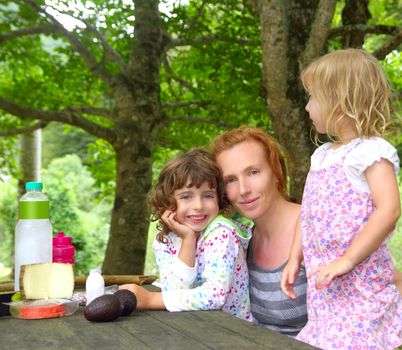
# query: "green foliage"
8,217
223,72
73,210
60,140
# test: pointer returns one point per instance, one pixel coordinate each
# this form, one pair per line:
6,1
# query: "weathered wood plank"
219,330
142,330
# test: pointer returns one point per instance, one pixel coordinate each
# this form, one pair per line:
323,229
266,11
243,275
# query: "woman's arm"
383,186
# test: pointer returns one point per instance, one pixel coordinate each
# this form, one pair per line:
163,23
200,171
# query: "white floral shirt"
219,279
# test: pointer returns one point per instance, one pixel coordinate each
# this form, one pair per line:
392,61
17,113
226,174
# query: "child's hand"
146,300
140,293
288,279
183,231
325,274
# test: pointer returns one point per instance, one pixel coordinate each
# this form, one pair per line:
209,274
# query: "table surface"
143,330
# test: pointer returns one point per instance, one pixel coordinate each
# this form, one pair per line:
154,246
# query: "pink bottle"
63,249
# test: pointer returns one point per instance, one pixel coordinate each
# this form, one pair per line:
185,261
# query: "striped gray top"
270,307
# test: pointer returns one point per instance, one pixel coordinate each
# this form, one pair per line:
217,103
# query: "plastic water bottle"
94,285
33,232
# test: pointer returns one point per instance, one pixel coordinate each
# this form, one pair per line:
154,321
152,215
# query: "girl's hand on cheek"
325,274
181,230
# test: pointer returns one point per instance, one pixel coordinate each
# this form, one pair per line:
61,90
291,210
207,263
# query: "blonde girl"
350,207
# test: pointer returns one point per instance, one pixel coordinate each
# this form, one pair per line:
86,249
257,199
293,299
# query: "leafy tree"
294,33
102,78
141,82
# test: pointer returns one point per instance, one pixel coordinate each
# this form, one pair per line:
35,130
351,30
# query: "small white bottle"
94,285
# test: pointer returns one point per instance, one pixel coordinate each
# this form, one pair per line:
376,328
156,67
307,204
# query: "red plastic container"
63,249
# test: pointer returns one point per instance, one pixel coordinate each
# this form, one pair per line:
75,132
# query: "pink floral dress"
361,309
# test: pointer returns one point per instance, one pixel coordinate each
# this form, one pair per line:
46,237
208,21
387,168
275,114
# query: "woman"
254,174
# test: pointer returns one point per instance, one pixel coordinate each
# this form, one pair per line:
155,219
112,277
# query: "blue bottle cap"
33,186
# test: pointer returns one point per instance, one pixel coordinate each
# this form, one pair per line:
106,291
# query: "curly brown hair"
195,166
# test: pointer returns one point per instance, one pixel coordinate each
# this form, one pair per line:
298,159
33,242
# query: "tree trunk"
284,32
126,248
355,12
139,117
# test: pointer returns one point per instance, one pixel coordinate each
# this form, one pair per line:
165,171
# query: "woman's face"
250,184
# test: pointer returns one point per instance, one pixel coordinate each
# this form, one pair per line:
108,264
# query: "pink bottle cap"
63,249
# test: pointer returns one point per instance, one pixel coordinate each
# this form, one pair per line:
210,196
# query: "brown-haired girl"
200,253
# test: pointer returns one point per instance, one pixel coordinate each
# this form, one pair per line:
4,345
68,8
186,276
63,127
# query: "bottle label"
33,210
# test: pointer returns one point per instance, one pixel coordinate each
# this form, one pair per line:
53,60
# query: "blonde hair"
350,85
195,166
274,155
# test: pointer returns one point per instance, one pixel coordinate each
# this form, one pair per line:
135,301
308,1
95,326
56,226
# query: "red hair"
273,153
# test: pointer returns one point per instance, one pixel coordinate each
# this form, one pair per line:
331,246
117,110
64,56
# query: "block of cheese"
47,281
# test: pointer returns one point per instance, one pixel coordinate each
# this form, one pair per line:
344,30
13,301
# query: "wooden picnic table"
165,330
143,330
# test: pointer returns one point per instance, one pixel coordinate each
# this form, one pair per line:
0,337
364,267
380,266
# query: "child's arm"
383,186
146,300
292,269
187,235
176,258
220,251
398,280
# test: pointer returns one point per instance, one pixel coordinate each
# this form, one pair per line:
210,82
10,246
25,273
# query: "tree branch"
42,29
372,29
388,46
102,112
170,76
113,54
86,55
205,40
319,32
24,130
193,23
175,105
65,116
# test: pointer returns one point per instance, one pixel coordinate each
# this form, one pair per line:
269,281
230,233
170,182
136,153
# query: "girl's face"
315,116
250,184
196,207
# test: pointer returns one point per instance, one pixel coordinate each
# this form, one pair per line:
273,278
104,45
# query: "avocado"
105,308
128,301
